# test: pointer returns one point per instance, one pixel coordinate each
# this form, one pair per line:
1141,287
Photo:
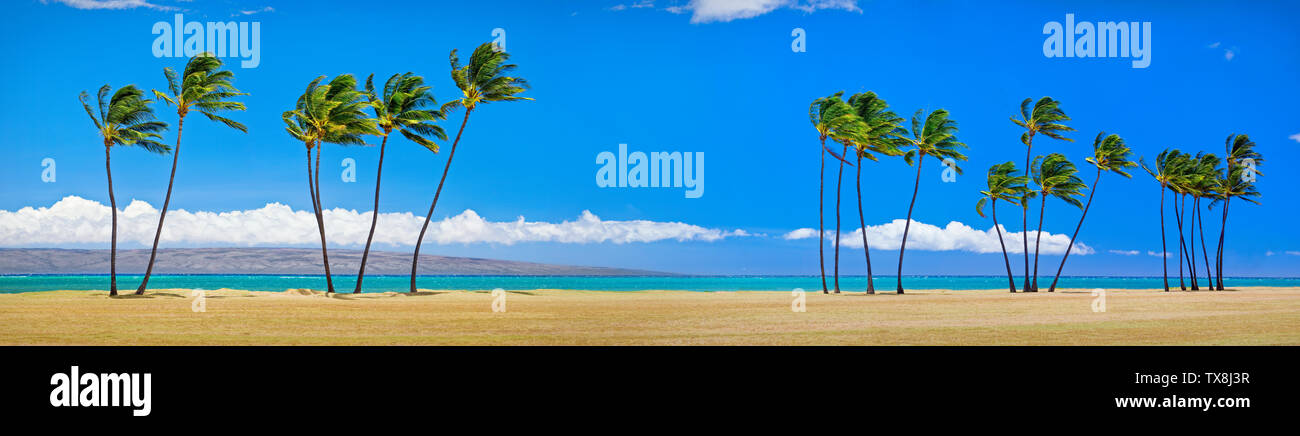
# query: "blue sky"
673,76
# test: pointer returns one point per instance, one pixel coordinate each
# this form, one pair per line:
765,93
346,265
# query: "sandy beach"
1248,316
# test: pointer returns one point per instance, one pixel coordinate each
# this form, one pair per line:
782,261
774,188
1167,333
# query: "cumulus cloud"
953,237
75,220
706,11
1125,252
111,4
803,233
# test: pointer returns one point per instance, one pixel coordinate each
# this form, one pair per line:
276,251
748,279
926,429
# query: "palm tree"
1206,182
839,183
880,132
1183,177
1236,185
1055,176
1237,148
938,138
407,105
1005,185
833,119
331,113
202,87
1109,153
485,79
1164,171
1044,117
125,119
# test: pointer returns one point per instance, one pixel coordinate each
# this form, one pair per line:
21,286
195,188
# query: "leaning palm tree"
203,87
1044,117
938,138
834,120
125,119
1206,182
880,132
1164,171
331,113
1237,184
839,183
1183,178
1005,185
484,79
1054,176
407,105
1238,148
1109,153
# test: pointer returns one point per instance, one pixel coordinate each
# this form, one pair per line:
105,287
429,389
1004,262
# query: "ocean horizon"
15,283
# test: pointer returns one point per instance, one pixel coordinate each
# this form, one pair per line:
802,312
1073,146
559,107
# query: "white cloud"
954,237
75,220
1125,252
803,233
1155,254
1293,253
1228,53
642,4
111,4
1295,137
706,11
255,11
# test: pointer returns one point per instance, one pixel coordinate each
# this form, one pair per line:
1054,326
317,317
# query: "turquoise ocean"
30,283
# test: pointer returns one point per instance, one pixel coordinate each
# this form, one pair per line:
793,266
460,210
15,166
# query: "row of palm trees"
1203,176
333,112
865,123
127,120
1052,176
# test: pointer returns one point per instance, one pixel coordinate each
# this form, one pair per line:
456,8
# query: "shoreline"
124,292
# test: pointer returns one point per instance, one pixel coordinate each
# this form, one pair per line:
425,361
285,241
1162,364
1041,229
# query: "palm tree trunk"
112,203
1038,238
1024,214
1200,227
821,221
320,223
839,183
1011,281
1164,258
374,217
311,184
1191,243
1223,229
1052,288
862,221
1183,247
908,226
1178,218
415,262
176,153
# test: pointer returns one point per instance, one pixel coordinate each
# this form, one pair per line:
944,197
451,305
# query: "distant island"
277,261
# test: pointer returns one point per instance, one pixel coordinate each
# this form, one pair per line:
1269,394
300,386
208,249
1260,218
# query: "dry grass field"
1251,316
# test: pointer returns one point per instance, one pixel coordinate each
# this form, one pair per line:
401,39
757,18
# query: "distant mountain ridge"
276,261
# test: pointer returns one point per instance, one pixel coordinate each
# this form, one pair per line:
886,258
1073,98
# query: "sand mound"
300,292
